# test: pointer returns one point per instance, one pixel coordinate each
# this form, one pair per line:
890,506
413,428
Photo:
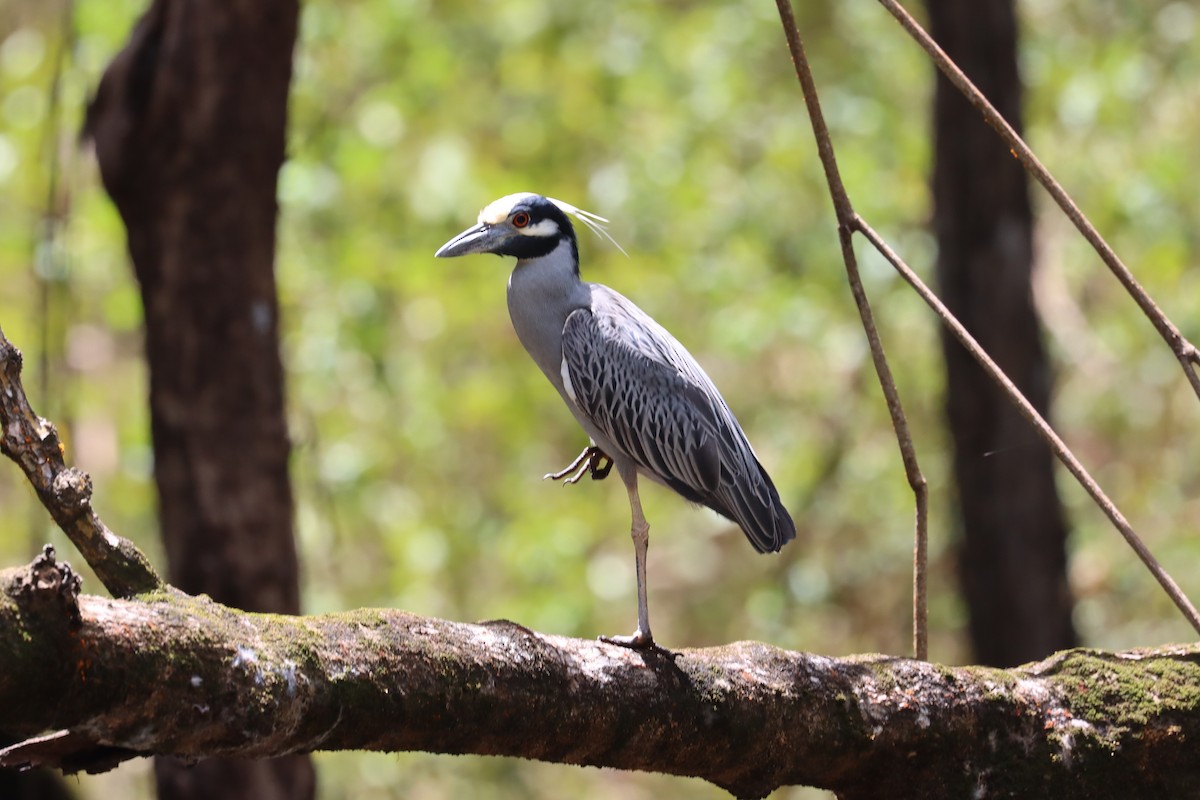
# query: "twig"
845,216
1184,350
1030,413
33,443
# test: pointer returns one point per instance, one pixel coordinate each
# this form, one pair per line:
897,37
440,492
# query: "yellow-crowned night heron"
641,397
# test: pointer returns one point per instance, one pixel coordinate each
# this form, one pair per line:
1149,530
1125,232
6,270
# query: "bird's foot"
588,461
639,640
598,472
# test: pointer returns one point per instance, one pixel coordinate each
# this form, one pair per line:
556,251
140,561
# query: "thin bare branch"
1039,423
845,216
1184,350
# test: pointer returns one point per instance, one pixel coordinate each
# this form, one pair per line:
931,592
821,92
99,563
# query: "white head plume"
594,222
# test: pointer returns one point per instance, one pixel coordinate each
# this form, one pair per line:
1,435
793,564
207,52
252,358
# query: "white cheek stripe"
546,227
566,376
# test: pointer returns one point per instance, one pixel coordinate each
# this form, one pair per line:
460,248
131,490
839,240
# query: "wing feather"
650,398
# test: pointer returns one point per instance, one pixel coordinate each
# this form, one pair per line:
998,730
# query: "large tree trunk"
1013,557
189,124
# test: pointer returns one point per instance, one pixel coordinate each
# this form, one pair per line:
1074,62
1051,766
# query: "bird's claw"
589,462
639,640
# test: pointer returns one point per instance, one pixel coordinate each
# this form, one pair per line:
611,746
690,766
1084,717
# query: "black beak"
481,238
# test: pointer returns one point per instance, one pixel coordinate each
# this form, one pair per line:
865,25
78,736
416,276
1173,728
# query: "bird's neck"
541,293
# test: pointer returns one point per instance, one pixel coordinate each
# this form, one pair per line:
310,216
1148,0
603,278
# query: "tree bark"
1013,554
171,673
189,125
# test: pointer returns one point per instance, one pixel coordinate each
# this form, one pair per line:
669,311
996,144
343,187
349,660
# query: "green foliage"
421,428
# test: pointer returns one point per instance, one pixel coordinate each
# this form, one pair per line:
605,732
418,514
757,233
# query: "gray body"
637,392
683,435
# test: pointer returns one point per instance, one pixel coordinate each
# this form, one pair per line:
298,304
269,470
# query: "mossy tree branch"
167,673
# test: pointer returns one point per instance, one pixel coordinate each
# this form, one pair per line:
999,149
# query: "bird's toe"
638,640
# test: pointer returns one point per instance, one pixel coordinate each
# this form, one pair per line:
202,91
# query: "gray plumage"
649,398
637,392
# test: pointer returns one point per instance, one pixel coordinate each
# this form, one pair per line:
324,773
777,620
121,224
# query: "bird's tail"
754,504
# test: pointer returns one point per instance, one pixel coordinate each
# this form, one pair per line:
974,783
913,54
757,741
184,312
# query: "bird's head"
523,225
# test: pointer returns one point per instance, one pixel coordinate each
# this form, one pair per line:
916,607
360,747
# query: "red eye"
520,219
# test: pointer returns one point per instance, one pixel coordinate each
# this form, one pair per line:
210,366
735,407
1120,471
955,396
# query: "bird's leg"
640,531
588,461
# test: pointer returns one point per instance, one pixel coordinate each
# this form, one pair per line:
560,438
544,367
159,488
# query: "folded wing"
646,393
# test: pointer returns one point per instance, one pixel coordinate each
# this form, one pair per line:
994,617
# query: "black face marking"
529,246
538,209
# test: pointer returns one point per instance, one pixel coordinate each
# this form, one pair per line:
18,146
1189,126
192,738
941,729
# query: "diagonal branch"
1035,419
845,216
747,717
33,443
1184,350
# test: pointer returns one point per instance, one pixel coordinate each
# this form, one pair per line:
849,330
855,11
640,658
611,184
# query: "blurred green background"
422,430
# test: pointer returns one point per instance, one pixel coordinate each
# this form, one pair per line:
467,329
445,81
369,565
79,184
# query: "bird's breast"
540,298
